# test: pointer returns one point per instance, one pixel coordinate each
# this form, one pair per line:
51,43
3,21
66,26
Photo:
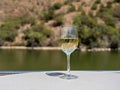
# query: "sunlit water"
56,60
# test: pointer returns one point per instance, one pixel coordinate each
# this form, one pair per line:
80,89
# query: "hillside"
37,22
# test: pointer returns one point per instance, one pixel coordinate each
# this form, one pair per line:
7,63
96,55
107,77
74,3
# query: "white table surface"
87,80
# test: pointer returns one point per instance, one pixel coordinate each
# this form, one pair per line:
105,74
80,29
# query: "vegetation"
116,12
48,14
117,1
36,35
58,21
93,34
8,30
72,8
27,20
97,1
98,27
80,8
57,6
94,7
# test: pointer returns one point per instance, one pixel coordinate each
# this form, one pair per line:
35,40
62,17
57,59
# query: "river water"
56,60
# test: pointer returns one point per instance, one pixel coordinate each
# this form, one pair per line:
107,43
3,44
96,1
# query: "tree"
57,6
37,35
8,30
48,14
116,12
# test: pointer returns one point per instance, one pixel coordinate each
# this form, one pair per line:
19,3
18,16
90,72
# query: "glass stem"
68,64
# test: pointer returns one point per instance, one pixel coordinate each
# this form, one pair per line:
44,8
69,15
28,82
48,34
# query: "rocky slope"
51,14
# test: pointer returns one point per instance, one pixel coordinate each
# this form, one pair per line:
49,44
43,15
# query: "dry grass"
15,8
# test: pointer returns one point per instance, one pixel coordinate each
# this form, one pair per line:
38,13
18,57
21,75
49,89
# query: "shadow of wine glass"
61,75
55,74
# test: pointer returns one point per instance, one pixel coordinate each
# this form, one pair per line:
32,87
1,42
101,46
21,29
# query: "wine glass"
68,43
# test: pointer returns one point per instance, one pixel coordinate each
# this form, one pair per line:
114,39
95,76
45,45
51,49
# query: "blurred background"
36,23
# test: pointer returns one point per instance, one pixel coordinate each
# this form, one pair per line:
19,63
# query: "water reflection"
56,60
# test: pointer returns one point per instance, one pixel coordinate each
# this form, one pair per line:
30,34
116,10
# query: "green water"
56,60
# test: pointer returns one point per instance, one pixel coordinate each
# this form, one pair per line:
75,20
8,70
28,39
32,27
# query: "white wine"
68,42
68,45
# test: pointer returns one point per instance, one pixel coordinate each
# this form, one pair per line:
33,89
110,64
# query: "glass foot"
67,76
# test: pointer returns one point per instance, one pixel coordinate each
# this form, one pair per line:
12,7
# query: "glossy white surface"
87,80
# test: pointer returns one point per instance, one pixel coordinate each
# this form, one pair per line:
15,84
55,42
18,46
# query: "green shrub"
47,33
80,8
37,35
101,34
116,12
92,34
27,20
113,32
86,35
109,35
84,26
110,21
109,4
97,1
106,14
108,18
38,28
114,42
88,21
58,21
57,6
26,33
67,2
33,38
72,8
10,37
83,12
48,15
91,14
12,23
94,7
41,29
102,8
8,30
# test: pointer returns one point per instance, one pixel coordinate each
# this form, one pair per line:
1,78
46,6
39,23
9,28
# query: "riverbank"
34,48
53,48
